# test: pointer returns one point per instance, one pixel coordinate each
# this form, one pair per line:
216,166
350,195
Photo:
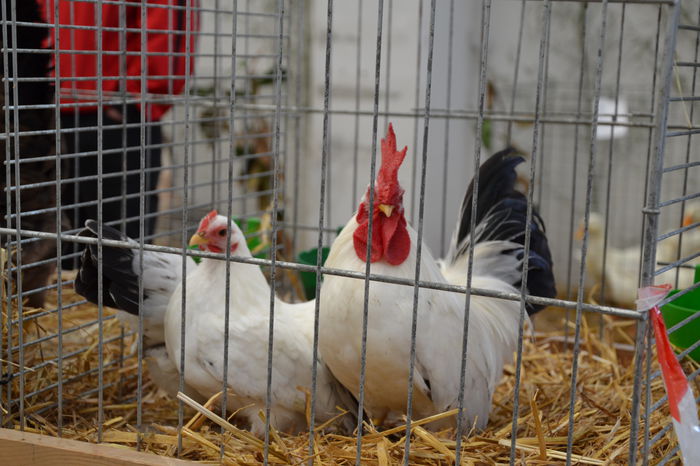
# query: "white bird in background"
668,250
690,241
248,330
493,323
621,272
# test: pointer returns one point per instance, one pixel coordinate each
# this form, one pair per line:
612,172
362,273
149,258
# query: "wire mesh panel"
675,206
143,144
145,116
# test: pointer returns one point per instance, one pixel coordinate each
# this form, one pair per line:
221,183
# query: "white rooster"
493,323
248,330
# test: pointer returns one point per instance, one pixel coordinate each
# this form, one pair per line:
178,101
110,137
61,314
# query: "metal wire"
8,207
647,398
516,69
610,310
446,135
483,56
358,77
544,45
18,254
321,222
651,216
282,41
100,247
59,244
273,254
183,237
142,213
368,255
574,171
419,53
297,122
609,173
419,237
229,214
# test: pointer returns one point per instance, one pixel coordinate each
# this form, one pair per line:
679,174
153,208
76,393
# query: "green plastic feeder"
250,228
680,309
308,279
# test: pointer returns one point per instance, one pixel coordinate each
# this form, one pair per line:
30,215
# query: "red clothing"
165,43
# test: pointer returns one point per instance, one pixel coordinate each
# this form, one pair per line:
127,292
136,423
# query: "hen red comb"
391,158
204,224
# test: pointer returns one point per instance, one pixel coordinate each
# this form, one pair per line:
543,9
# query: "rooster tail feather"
501,217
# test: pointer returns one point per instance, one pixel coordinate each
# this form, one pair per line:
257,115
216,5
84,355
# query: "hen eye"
222,232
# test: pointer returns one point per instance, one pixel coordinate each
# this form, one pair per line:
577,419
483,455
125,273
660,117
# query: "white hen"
689,242
621,272
248,338
204,345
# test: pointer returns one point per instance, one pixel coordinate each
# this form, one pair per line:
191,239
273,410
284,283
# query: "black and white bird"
205,336
121,273
497,244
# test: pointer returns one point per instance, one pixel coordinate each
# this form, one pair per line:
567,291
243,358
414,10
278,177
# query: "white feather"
162,272
249,314
165,375
492,334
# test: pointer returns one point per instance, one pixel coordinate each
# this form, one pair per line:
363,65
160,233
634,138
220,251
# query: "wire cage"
271,112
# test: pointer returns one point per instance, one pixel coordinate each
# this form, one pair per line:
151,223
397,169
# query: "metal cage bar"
273,80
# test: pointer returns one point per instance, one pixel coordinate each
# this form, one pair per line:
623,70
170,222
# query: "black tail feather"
501,215
120,282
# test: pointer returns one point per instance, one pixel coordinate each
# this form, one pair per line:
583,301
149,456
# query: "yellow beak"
386,209
579,233
687,220
198,239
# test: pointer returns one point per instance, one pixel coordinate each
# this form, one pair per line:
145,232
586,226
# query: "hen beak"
198,239
687,220
579,233
386,209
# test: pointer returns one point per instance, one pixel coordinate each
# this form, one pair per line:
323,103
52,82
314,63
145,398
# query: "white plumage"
621,268
493,323
249,319
493,330
205,324
121,275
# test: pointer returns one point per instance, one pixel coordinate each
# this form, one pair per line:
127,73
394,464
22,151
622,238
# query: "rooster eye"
222,232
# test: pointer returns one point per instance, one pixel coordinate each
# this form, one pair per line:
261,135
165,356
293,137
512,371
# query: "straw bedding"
602,409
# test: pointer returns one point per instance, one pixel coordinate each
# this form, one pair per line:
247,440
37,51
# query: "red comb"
391,158
205,221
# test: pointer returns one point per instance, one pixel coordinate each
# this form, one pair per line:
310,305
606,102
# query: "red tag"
674,378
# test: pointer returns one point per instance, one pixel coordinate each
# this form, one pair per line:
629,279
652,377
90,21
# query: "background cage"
283,100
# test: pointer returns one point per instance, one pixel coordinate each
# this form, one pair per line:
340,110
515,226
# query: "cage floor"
602,409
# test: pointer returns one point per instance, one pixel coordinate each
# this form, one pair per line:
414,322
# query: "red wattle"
390,239
360,242
398,245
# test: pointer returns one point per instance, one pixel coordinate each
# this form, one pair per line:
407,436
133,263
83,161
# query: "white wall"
562,160
402,87
559,164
